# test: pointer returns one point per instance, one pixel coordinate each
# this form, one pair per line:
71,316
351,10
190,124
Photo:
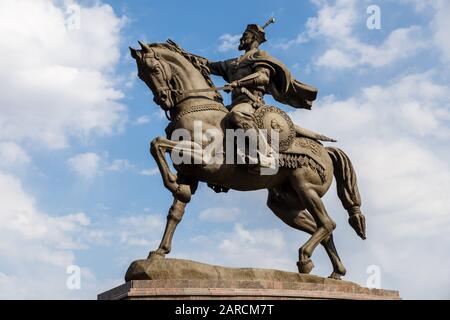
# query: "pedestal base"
188,280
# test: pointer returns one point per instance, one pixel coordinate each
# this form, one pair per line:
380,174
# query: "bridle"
176,96
167,87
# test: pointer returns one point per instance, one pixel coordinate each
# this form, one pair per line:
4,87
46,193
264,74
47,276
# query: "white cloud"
228,42
285,45
119,165
66,73
335,23
219,214
35,248
441,25
130,81
334,20
12,154
20,216
140,230
86,165
142,120
413,106
160,114
58,83
149,172
90,164
395,136
400,43
243,247
335,58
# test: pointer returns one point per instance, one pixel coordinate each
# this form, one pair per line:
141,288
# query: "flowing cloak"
283,87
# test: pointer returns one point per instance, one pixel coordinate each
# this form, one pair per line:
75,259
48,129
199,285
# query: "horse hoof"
157,254
335,276
305,266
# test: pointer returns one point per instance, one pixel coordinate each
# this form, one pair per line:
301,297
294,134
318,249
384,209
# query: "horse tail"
347,188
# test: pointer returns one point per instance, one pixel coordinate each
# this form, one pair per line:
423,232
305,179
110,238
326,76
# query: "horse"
176,79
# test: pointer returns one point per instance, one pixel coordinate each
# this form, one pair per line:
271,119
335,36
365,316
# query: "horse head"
169,71
156,73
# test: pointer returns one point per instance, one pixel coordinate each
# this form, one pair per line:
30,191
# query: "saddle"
297,147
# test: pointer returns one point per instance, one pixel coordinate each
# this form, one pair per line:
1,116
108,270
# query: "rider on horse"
256,73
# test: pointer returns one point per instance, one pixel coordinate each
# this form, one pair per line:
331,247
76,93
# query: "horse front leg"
158,147
174,217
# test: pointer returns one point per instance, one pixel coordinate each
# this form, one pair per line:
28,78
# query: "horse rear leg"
296,217
307,186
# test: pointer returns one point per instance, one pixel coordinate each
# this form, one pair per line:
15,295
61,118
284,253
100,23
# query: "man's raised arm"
217,68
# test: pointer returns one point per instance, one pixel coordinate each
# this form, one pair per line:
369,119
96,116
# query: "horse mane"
196,61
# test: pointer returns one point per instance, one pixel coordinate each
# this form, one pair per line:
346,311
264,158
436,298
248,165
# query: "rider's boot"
265,158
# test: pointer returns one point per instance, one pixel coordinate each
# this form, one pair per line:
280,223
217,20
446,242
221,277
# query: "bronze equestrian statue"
181,85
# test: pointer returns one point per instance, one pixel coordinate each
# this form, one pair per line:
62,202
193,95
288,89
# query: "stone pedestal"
160,278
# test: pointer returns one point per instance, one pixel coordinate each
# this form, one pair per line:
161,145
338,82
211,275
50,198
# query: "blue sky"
78,186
